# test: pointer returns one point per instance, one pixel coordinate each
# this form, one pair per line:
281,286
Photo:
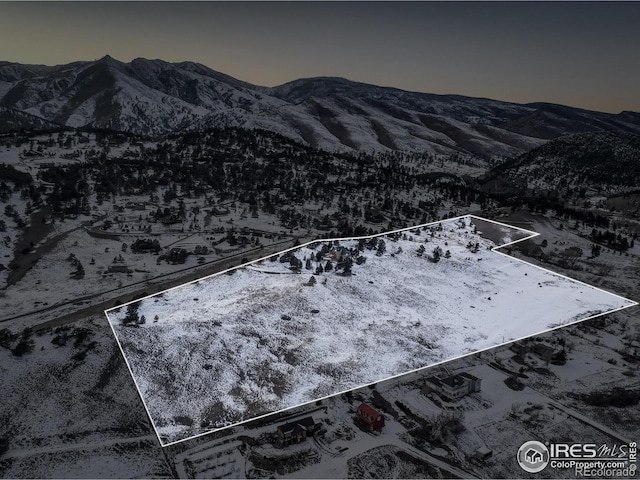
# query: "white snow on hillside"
235,346
156,97
85,111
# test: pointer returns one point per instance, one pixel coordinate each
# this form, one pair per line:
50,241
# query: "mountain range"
601,161
154,97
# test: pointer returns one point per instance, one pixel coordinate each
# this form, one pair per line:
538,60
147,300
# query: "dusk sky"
583,54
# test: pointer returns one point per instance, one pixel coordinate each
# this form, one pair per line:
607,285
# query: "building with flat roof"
454,387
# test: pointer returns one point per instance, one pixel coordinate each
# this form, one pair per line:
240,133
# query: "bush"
514,384
24,346
7,338
81,334
79,356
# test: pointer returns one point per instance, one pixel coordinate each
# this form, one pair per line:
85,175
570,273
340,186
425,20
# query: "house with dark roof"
544,351
297,431
454,387
369,417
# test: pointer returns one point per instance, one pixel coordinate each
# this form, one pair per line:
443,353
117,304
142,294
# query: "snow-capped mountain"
156,97
603,161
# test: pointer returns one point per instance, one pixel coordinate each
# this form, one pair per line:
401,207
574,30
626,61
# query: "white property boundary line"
532,234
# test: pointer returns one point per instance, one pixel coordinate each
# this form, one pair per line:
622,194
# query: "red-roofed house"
370,418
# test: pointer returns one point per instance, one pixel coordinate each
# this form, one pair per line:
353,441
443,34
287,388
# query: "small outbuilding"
483,454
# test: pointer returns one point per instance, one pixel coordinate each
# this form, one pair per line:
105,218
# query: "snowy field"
260,339
69,408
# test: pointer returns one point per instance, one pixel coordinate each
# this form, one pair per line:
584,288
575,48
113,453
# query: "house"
118,269
454,387
544,351
369,417
218,212
171,219
48,187
136,205
334,256
296,431
31,154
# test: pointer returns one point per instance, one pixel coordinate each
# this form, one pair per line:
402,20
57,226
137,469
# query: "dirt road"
108,299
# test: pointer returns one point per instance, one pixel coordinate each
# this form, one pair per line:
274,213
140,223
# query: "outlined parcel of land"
334,315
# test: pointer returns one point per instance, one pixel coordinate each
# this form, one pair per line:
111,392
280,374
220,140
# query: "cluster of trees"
474,247
610,239
275,175
343,258
176,255
11,212
8,173
437,254
144,245
19,343
295,264
619,397
132,316
269,172
441,427
75,262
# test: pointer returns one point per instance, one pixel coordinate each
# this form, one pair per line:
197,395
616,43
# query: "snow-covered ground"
69,408
235,346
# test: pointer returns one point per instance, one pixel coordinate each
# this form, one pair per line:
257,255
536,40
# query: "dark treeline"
263,170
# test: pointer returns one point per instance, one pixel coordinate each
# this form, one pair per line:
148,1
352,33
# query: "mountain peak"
155,97
108,59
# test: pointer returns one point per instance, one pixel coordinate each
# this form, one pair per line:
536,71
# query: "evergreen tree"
132,314
348,265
